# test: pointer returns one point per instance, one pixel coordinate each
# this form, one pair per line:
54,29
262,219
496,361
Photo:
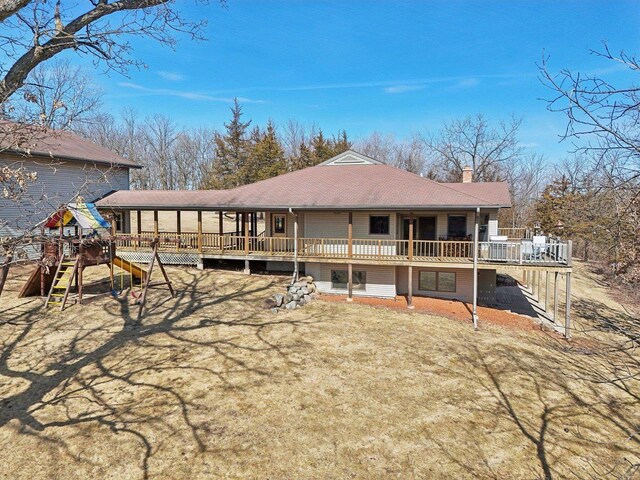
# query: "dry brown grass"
209,385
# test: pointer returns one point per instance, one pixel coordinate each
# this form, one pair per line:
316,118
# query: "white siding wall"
58,183
464,283
381,280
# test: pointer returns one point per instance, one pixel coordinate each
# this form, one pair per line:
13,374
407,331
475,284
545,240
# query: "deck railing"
552,251
515,233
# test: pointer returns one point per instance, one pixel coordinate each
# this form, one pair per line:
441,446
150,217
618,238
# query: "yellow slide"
132,268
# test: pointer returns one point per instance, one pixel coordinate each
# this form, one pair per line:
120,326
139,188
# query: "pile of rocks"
298,294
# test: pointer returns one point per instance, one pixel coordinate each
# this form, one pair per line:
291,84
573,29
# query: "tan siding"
464,283
361,225
326,224
380,279
58,183
289,224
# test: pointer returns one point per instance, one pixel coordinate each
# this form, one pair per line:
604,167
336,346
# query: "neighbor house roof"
30,140
349,181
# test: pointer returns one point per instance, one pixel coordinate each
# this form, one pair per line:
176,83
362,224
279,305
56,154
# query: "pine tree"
304,159
322,149
267,157
232,153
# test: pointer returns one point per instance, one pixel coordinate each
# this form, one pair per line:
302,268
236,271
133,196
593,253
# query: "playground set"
85,239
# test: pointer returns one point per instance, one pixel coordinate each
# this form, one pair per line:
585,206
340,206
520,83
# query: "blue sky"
394,67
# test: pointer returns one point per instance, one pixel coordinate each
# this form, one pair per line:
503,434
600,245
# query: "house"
66,165
358,226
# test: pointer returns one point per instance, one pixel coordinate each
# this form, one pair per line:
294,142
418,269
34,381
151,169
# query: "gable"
351,158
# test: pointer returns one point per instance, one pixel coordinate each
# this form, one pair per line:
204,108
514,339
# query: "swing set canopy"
83,214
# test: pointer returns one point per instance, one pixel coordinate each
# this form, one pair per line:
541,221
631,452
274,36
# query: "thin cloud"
196,96
459,80
467,83
404,88
171,76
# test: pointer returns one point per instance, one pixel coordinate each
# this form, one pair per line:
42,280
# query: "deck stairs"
61,285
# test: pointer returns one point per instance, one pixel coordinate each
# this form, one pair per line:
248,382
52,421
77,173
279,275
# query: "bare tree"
59,96
37,30
602,119
473,142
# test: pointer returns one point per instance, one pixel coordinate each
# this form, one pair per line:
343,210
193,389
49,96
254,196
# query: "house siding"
381,281
289,227
464,283
58,182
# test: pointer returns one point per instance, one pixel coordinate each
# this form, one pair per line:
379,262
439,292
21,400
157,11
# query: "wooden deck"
344,250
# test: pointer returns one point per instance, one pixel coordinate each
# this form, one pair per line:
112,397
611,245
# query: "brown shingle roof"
363,186
61,145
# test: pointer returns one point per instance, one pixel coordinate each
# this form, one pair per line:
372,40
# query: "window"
339,279
119,218
279,224
457,227
379,225
437,281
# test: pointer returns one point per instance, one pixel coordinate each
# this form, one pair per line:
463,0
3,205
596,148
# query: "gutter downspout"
296,271
475,270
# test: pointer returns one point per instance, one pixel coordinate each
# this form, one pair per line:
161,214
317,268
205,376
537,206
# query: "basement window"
379,225
437,281
339,280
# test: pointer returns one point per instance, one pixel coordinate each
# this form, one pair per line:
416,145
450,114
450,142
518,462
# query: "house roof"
28,140
349,181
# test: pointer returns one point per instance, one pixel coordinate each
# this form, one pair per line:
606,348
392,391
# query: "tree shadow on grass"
552,402
92,363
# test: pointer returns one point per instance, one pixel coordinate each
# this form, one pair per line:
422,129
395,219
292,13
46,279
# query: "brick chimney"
467,174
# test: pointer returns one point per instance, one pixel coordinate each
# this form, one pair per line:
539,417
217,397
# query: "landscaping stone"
298,294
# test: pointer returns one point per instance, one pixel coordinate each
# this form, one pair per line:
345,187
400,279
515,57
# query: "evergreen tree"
304,159
232,153
322,149
267,157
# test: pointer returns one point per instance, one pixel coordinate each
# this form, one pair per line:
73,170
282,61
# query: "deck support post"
410,286
245,217
476,232
296,267
350,282
221,230
155,223
556,293
139,227
546,292
567,310
350,237
200,231
410,253
539,287
247,267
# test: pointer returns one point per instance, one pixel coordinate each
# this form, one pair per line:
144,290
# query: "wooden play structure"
85,239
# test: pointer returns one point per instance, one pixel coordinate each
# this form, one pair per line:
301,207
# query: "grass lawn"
210,385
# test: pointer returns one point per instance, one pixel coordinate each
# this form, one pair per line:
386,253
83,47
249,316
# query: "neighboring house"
67,166
396,232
